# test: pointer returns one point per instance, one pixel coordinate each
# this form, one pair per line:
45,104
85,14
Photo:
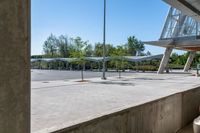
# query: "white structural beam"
165,60
188,7
189,61
181,44
167,23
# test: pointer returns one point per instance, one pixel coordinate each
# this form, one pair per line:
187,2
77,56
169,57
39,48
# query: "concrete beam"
165,60
189,61
15,66
192,41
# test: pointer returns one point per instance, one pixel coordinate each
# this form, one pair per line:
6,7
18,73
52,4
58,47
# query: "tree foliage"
65,47
79,50
118,58
62,46
50,46
134,46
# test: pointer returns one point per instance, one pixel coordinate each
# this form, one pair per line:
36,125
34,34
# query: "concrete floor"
61,103
187,129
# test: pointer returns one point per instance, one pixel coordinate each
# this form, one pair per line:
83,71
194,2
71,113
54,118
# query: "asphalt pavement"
51,75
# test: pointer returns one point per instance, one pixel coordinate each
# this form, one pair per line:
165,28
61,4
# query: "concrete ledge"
165,115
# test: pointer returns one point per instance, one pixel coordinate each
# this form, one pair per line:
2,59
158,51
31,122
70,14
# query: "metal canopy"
179,32
100,59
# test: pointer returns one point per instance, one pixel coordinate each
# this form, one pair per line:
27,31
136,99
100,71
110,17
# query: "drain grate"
45,82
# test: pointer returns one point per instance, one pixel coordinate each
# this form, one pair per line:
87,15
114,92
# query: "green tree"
110,49
98,49
50,46
78,51
173,58
89,50
63,45
118,58
134,46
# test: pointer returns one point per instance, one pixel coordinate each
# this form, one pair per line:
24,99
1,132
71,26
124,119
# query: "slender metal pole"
104,43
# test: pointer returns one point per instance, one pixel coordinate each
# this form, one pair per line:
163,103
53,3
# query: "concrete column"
189,61
165,60
15,66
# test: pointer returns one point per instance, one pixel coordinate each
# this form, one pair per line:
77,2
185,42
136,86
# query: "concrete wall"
166,115
190,104
14,66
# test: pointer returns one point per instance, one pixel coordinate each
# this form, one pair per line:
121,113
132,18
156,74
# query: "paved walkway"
58,104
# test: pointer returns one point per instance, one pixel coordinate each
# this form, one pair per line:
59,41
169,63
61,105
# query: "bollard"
198,68
196,125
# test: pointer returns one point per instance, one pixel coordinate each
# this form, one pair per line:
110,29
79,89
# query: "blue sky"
142,18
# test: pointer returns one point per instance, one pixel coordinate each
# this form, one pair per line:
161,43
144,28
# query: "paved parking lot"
49,75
